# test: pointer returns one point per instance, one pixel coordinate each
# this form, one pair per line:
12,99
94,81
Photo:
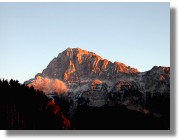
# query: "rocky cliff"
75,64
95,81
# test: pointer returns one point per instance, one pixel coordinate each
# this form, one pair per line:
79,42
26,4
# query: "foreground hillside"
24,108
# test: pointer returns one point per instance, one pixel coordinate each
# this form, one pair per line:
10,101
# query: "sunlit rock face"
89,79
48,85
75,64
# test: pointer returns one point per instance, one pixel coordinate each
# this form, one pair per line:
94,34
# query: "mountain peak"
75,51
85,75
74,64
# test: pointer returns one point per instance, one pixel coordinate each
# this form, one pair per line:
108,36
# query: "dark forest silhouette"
22,107
116,118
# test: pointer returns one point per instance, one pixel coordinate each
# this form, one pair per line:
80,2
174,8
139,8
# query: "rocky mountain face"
76,64
95,81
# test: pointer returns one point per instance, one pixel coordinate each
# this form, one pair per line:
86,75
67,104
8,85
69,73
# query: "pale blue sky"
32,34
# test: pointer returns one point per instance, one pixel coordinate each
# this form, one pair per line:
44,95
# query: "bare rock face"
75,64
157,80
95,81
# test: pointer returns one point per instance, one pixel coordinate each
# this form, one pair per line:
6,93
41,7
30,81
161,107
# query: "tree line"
22,108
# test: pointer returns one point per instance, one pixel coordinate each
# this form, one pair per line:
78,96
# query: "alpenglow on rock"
95,81
75,64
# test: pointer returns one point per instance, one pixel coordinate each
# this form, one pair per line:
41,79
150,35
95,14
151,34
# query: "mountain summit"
88,80
85,74
75,64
